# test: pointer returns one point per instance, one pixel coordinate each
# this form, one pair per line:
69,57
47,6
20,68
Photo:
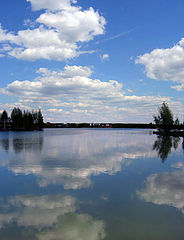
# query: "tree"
177,123
39,120
4,115
22,120
17,118
164,120
27,121
4,118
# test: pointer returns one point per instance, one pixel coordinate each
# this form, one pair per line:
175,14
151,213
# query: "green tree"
164,120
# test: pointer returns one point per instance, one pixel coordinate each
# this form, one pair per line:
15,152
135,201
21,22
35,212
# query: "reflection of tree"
21,144
164,144
4,143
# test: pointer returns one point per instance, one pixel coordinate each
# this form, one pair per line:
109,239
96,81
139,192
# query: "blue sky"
92,61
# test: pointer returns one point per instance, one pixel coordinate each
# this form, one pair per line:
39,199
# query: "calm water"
91,184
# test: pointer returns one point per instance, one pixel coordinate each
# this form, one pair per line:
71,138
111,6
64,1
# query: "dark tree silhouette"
4,118
26,120
28,123
40,119
4,115
164,120
17,118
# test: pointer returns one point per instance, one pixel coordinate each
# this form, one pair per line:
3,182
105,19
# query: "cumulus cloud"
74,91
61,29
75,25
165,64
51,5
165,188
73,81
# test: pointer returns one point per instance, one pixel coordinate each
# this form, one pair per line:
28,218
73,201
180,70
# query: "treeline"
21,120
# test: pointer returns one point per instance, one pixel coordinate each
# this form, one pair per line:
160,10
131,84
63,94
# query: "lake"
91,184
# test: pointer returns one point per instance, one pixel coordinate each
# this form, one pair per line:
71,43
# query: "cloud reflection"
71,157
50,217
36,211
75,226
165,188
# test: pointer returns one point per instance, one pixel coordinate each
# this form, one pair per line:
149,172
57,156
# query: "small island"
21,120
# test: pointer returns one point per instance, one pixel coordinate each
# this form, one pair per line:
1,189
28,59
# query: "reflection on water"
75,226
164,144
22,143
65,184
49,217
72,159
35,211
4,143
165,188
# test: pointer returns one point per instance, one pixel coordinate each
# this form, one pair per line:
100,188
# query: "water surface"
91,184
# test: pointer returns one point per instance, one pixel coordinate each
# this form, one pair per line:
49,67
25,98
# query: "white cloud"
29,23
130,90
51,5
165,64
178,87
73,81
75,92
75,25
105,57
61,29
165,188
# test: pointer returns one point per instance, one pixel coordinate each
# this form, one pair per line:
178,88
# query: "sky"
91,60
